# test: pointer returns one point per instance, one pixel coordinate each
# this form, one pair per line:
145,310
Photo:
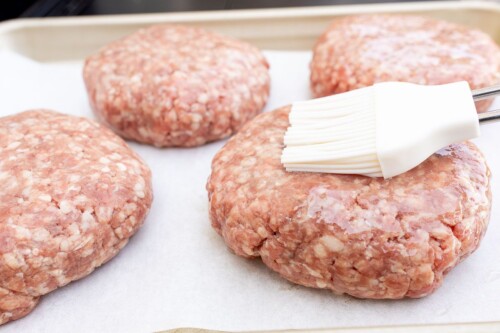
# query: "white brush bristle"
383,130
334,134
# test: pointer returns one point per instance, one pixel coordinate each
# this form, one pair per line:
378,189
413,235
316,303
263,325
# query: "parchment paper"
176,271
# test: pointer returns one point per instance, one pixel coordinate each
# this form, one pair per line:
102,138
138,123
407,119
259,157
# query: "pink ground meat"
72,195
359,51
366,237
171,85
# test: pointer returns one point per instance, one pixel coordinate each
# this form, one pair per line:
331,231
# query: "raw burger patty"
359,51
72,194
173,85
367,237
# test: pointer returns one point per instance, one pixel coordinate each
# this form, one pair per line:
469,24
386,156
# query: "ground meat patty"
359,51
72,194
173,85
367,237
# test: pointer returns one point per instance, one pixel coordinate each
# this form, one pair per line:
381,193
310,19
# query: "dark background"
42,8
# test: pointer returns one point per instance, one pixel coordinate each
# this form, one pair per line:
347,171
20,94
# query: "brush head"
382,130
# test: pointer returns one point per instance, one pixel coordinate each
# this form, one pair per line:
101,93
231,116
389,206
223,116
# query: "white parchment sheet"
177,272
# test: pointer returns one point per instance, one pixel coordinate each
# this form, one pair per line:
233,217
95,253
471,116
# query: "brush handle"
484,93
489,116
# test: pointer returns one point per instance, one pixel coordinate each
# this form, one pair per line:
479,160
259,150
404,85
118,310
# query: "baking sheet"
177,272
290,29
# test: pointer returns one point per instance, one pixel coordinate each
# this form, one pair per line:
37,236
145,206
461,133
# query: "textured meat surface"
359,51
176,86
72,194
366,237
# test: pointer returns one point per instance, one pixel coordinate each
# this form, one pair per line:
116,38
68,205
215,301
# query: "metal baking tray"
57,39
68,39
